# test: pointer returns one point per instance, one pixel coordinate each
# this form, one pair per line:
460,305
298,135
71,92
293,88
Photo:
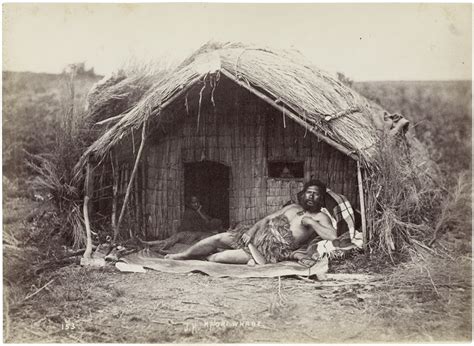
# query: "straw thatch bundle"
323,103
321,100
120,92
151,102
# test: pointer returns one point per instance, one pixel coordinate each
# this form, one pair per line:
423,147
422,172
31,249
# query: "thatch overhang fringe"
326,106
121,91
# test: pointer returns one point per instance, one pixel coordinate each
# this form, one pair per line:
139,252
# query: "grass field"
33,104
439,112
425,299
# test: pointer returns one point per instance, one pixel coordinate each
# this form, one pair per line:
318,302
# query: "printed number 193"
68,326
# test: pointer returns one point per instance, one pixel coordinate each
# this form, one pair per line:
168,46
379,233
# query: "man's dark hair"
313,182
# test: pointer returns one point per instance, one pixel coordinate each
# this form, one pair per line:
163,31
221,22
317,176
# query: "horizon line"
353,80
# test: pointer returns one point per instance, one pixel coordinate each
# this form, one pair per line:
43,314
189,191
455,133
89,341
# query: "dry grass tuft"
120,92
400,199
455,210
424,288
408,204
280,304
54,171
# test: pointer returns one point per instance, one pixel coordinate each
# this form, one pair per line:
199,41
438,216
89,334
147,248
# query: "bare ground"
416,302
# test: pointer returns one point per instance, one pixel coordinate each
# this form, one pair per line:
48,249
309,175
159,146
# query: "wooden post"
137,202
88,186
143,199
87,259
129,187
362,206
115,178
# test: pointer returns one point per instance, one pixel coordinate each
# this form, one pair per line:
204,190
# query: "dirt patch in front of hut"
91,305
421,301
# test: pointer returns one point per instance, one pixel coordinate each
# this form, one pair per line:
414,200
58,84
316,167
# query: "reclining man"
274,237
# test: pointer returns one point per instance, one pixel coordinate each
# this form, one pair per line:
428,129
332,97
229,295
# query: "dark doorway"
209,181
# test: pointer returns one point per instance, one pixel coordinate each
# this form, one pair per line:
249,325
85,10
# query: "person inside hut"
195,220
195,225
272,239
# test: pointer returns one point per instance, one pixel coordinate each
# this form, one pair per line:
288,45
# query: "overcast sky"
364,41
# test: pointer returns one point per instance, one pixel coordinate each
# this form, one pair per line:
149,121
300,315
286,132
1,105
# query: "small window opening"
286,170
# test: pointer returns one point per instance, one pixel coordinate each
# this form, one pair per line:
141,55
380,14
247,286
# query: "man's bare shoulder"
318,216
292,209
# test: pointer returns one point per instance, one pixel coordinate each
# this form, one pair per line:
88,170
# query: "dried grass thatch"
121,91
317,100
403,195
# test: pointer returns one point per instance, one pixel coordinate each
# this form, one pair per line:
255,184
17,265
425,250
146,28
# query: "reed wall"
116,168
244,133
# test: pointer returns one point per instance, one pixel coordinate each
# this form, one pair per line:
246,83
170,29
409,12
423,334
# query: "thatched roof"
120,92
285,79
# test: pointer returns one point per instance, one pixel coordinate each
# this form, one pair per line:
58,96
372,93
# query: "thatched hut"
241,127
